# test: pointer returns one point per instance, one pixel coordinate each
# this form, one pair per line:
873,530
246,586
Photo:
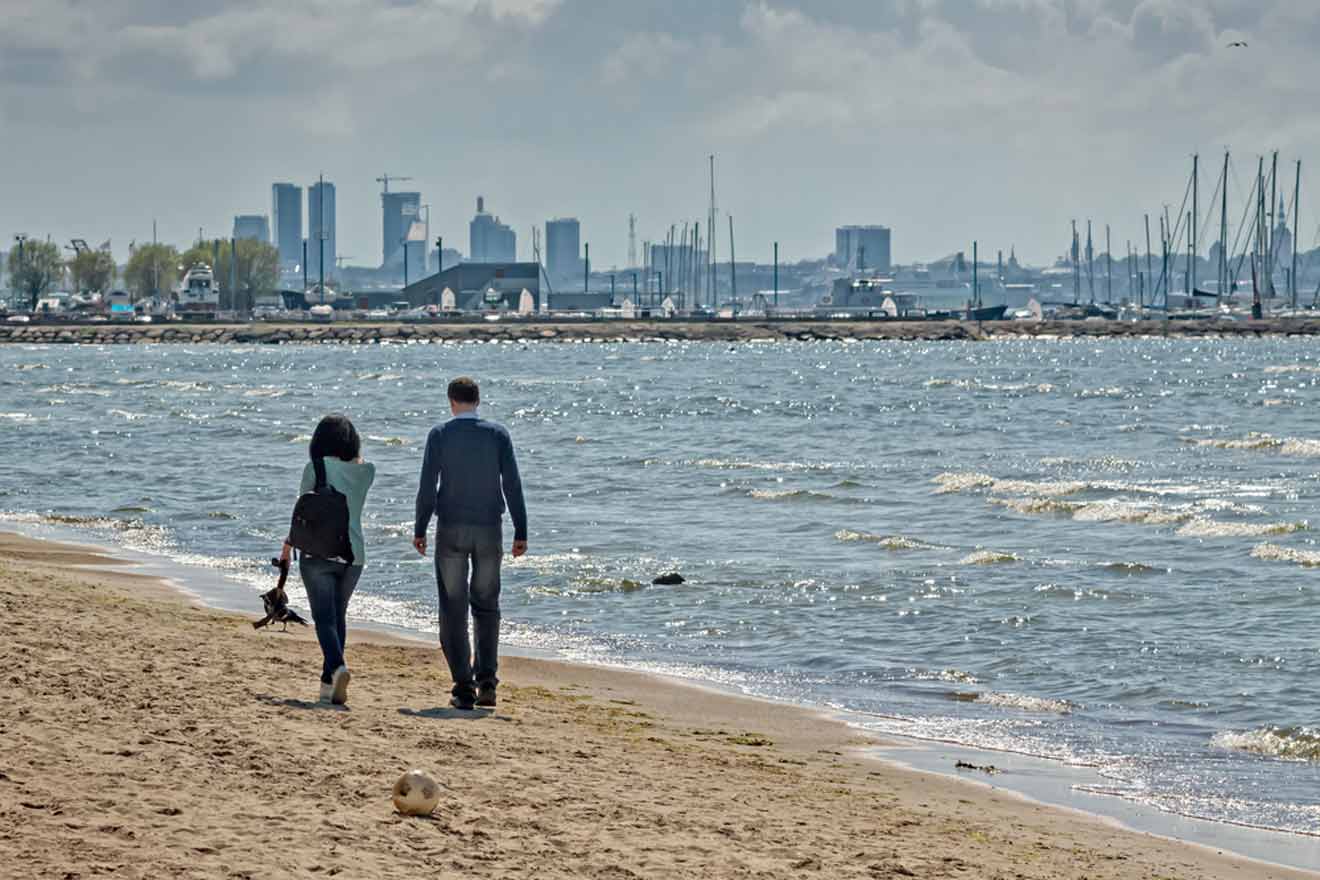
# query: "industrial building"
321,210
490,241
862,248
479,286
286,217
563,249
253,226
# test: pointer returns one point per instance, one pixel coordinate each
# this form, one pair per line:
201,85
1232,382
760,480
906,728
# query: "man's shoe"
486,696
463,703
339,686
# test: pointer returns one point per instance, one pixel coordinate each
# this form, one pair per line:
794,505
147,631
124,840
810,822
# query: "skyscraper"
563,248
253,226
490,240
862,247
399,210
321,204
286,214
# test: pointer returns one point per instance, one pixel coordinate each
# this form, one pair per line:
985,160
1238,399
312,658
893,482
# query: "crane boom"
384,181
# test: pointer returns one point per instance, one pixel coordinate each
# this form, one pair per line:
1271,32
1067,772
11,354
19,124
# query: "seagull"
1239,44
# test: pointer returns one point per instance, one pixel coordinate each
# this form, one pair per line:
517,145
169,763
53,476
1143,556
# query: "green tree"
152,268
92,271
256,269
34,269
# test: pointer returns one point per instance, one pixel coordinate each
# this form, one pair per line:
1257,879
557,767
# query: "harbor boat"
320,294
197,295
322,313
119,305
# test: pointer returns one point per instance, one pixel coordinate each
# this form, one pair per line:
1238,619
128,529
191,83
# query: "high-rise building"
399,211
286,217
321,210
253,226
563,248
862,248
491,241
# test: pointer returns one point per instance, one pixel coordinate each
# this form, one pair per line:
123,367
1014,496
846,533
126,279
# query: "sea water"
1096,552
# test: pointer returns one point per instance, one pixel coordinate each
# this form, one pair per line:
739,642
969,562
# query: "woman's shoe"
327,692
339,686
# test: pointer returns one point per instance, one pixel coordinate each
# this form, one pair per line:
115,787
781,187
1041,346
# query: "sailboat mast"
710,235
1077,267
1090,263
1296,232
1150,264
1196,216
1109,268
1223,230
733,266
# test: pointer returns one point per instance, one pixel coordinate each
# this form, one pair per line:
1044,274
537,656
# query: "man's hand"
519,548
419,544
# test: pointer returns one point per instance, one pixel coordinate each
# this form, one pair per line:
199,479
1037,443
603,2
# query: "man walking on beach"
468,474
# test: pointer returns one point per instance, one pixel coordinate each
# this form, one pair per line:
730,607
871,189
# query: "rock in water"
672,579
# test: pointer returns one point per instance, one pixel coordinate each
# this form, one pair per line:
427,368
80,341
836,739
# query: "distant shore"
635,331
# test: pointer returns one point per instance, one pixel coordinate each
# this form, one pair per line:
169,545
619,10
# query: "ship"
197,296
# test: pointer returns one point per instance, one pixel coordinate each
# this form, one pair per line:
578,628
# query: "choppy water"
1098,552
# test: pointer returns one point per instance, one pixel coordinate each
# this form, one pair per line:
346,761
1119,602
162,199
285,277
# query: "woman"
330,582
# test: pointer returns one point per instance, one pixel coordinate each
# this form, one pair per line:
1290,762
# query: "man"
468,474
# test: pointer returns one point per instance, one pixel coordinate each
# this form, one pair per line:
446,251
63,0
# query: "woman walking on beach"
330,581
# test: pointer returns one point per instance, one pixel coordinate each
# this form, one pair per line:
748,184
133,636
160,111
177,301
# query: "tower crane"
384,181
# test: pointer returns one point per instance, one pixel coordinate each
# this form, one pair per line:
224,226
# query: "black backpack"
320,521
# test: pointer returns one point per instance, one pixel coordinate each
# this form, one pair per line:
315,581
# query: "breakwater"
619,331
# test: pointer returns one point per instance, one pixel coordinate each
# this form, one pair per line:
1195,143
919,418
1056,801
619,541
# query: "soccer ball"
416,793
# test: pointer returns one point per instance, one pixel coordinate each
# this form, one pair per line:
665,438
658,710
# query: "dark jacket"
469,472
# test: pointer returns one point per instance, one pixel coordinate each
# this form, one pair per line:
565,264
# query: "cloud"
891,112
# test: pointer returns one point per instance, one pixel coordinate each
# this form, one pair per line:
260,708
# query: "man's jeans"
329,586
467,569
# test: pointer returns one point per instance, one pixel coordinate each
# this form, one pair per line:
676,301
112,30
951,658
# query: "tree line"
152,271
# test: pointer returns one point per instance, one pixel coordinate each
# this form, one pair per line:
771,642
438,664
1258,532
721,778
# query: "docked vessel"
119,305
320,294
197,295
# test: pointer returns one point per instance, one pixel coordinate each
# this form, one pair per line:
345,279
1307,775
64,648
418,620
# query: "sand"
143,736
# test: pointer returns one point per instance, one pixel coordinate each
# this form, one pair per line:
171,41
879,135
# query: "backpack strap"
318,464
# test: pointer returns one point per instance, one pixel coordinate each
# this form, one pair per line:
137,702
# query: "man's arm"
513,495
426,490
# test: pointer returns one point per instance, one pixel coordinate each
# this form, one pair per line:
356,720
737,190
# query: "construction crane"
384,181
341,259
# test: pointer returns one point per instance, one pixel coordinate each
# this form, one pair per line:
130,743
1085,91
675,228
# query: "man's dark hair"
335,437
464,390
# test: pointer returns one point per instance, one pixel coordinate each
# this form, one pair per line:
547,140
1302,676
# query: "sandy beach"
143,736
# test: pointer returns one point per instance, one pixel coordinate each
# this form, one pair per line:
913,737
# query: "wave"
950,483
885,542
1292,368
1131,569
989,557
1287,743
265,392
1020,702
125,414
1277,553
978,385
21,417
389,441
727,464
1209,528
1301,447
799,495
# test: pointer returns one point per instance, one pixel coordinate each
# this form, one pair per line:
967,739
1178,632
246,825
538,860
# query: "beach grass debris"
989,769
751,739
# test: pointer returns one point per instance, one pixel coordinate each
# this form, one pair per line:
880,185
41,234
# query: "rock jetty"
621,331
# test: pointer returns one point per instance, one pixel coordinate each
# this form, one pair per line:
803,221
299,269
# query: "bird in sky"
1239,44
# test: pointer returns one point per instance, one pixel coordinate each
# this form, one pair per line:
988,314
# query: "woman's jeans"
329,586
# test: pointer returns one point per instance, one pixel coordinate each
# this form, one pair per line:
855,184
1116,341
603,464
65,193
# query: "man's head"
464,395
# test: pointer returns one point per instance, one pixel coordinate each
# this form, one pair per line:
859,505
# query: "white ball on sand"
416,793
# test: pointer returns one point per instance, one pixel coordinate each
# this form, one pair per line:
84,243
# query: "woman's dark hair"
335,437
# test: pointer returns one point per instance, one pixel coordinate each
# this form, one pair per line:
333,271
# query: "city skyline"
932,118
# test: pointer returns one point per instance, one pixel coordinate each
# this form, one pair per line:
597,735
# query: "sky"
946,120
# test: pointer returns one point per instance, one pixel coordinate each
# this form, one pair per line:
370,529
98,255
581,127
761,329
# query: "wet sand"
143,736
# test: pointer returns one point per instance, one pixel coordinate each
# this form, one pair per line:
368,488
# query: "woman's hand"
286,552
